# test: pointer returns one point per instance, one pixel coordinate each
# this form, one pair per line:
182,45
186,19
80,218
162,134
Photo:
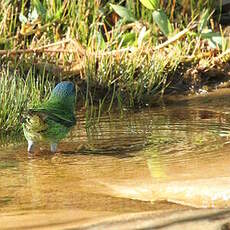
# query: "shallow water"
170,157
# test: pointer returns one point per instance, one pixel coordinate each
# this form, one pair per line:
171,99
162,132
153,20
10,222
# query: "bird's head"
64,93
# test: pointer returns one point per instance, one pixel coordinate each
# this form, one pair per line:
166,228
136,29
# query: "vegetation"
19,91
122,52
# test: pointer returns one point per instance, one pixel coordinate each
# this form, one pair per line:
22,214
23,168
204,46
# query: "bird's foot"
53,147
30,146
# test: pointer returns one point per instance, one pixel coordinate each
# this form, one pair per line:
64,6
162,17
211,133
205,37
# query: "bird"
51,120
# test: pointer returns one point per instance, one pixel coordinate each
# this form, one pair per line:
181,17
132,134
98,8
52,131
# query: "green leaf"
128,39
123,12
214,39
151,4
161,19
204,20
142,36
41,10
59,13
22,18
100,41
209,34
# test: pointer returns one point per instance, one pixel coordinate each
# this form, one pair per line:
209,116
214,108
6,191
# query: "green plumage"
52,120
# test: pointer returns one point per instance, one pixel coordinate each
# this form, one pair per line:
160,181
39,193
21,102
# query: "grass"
19,91
112,60
131,78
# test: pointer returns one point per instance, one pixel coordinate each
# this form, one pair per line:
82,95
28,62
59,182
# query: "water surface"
171,157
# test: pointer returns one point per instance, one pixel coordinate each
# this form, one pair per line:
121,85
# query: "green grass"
18,92
130,79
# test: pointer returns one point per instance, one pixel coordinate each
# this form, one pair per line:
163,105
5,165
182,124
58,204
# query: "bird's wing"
56,115
35,122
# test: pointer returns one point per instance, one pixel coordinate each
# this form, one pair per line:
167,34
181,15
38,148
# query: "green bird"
53,119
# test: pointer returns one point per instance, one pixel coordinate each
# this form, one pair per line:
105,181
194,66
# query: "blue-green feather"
53,119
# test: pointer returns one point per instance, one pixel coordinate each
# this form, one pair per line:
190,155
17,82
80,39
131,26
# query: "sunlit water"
169,157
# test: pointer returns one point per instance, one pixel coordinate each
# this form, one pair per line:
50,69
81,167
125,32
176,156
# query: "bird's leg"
30,146
53,147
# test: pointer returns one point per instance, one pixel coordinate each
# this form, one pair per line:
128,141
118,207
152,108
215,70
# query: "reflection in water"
176,154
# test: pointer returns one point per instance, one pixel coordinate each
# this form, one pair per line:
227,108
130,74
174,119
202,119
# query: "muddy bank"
187,81
192,220
199,219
